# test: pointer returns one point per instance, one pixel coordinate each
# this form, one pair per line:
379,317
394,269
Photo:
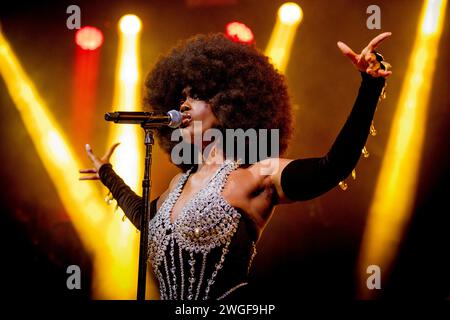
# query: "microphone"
173,118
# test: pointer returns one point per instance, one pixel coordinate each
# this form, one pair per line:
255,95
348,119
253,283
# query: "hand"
366,61
97,162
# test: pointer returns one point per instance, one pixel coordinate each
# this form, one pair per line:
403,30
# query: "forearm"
129,201
305,179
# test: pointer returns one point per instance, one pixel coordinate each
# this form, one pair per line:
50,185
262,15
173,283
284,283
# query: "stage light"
239,32
290,13
89,38
432,23
130,24
279,47
84,85
128,162
127,97
394,196
88,214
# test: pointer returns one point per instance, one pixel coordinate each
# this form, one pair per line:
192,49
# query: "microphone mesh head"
175,118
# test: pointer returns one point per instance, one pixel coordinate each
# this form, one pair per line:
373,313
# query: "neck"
213,158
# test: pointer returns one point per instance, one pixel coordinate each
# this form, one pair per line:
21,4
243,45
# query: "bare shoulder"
172,185
270,166
264,173
270,172
175,180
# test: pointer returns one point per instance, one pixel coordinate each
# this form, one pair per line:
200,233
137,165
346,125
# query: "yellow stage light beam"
393,199
279,48
80,199
127,98
127,163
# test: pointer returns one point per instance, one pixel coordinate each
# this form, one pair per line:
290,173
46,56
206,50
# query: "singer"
205,226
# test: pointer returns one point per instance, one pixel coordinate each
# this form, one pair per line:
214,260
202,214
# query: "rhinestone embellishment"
206,223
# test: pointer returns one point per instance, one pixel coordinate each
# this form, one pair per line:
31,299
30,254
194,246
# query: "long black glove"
129,201
305,179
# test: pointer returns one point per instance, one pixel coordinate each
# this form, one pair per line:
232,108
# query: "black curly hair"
238,81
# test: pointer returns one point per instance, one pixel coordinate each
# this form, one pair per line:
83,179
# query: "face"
197,110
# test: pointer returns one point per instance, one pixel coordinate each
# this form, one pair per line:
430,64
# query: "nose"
185,106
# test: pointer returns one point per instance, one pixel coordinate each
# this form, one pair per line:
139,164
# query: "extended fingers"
110,151
91,154
93,176
90,177
384,73
347,51
378,72
378,39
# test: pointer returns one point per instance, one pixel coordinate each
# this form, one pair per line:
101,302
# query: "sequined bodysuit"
188,256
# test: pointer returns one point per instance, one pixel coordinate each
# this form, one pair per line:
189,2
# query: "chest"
242,190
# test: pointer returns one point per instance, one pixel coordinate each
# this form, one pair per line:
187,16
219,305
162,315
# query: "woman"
204,227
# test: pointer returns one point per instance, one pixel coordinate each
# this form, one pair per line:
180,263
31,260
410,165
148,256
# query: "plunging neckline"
181,185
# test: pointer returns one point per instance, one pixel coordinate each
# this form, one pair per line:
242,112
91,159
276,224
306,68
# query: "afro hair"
239,82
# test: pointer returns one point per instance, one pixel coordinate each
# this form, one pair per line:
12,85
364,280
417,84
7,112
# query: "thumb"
110,151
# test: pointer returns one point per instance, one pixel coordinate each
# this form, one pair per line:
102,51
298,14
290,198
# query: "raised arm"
304,179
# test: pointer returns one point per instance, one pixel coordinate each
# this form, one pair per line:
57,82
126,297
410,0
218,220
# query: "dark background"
309,249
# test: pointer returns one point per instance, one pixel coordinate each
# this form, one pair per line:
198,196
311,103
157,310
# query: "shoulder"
250,180
270,167
264,172
175,180
270,170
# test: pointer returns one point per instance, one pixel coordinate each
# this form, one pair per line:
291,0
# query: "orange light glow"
89,38
239,32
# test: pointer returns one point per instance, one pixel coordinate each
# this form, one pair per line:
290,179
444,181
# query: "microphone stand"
148,121
145,216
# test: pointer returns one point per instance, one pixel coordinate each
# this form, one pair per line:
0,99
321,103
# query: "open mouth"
187,118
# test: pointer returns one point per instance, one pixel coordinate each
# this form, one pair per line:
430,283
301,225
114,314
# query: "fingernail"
88,146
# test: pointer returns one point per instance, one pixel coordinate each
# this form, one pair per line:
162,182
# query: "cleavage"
187,193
